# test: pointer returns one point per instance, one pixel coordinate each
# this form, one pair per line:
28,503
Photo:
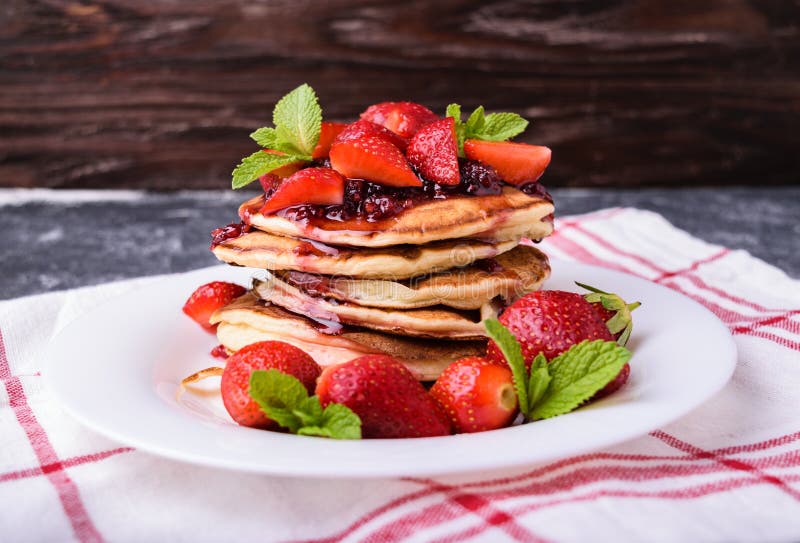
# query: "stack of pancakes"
415,286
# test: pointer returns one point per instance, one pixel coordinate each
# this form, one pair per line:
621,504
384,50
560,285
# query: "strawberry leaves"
298,119
284,399
569,380
620,322
491,127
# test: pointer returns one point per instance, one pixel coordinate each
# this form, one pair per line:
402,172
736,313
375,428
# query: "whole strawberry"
476,394
385,395
208,298
549,322
264,355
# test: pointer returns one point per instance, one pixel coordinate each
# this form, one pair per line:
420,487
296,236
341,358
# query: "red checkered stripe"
49,464
483,499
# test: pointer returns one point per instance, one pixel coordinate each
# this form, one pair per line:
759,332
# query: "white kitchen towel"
729,471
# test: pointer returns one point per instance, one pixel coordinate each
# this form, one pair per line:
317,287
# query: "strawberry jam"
372,202
233,230
220,352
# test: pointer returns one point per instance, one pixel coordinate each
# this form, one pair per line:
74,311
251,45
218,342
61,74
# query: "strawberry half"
287,169
516,163
264,355
434,152
327,134
321,186
402,118
385,395
476,394
208,298
549,322
363,129
374,159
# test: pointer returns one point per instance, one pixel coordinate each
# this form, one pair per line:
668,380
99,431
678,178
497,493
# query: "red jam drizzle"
220,352
310,247
231,231
489,265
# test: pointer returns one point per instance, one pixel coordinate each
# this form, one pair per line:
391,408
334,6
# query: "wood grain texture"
162,93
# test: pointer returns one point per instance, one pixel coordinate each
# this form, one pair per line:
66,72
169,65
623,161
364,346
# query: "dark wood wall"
162,93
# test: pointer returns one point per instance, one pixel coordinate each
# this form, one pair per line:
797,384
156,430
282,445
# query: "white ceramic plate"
117,370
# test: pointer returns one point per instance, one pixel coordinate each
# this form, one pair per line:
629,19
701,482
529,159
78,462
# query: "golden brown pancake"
247,320
503,217
432,322
509,276
258,249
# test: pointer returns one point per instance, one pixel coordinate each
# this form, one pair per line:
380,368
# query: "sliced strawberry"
362,129
327,134
208,298
287,169
477,395
373,159
516,163
434,151
269,182
322,186
402,118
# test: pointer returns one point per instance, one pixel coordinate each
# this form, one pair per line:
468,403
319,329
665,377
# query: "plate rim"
48,370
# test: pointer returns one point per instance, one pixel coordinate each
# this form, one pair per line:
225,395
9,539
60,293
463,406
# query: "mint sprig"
298,119
578,374
284,399
569,380
259,163
491,127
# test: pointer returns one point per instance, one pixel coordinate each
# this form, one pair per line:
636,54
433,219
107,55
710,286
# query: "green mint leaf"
259,163
539,381
454,111
337,422
266,137
309,412
269,139
298,119
578,374
284,399
279,395
475,123
502,126
511,349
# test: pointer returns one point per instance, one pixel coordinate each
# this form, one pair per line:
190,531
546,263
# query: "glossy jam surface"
369,203
231,231
220,352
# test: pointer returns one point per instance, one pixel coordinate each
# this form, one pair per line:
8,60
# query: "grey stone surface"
54,241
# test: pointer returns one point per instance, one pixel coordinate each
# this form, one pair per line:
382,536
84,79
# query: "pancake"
433,322
503,217
248,320
509,276
258,249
